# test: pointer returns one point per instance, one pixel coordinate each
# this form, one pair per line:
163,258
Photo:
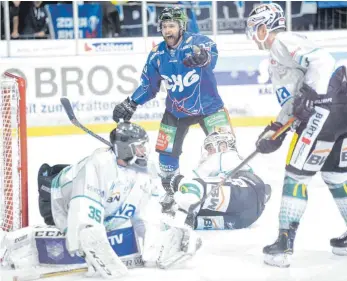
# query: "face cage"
252,31
140,151
215,147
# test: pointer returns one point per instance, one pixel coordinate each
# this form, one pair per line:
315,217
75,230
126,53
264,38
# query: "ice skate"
339,245
279,253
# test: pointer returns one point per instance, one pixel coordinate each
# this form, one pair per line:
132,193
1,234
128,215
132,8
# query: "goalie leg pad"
99,253
17,249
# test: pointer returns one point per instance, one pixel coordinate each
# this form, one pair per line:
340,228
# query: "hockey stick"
35,276
69,111
231,173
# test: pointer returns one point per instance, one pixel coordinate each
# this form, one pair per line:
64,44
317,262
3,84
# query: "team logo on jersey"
177,82
283,95
126,211
114,196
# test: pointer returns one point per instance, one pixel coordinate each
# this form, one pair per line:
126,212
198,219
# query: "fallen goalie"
93,212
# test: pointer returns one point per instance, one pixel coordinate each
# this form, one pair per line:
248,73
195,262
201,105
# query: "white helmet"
271,15
218,142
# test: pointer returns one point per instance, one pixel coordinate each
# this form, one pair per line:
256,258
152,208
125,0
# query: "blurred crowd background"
109,19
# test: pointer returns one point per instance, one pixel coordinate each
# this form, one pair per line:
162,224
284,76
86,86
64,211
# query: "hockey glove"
199,58
265,144
124,110
303,106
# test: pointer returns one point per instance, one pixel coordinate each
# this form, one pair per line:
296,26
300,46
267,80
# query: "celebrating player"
94,210
309,88
185,61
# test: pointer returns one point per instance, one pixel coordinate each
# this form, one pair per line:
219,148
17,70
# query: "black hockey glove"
265,144
124,110
199,58
303,105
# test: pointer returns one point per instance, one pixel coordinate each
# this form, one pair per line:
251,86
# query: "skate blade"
280,260
340,251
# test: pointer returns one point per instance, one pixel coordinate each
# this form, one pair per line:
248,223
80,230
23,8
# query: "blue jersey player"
185,62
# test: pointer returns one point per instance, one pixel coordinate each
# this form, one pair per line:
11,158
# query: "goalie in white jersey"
310,88
95,206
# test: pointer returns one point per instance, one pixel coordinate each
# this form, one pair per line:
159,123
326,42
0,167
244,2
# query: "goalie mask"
130,143
218,142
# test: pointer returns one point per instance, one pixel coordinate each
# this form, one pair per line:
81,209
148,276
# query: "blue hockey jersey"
190,91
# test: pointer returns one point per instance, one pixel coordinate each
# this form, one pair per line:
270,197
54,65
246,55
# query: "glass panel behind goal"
13,153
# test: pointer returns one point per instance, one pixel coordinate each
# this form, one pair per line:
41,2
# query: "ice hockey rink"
225,255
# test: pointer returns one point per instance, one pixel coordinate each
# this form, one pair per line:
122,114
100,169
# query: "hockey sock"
294,201
168,165
339,192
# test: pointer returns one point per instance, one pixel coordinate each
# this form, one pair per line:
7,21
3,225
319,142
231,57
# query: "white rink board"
94,84
226,255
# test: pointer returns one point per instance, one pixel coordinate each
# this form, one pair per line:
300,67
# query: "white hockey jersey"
295,60
111,194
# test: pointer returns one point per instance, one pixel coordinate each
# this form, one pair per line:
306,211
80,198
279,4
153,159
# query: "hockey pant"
319,145
235,205
45,177
172,133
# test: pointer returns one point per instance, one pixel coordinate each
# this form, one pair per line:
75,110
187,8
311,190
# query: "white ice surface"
226,255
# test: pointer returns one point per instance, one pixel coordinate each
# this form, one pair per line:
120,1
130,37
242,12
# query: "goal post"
13,153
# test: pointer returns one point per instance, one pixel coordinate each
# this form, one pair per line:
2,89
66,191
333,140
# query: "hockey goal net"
13,153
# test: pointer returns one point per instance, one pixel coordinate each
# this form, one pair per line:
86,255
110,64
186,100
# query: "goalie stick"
70,113
36,275
291,122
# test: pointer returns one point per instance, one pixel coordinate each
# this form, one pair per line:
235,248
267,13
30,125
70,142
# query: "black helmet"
130,143
176,14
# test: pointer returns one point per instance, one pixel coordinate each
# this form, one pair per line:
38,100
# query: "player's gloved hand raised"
265,144
303,105
124,110
199,58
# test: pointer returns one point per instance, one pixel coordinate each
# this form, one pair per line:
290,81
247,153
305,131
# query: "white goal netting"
11,164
